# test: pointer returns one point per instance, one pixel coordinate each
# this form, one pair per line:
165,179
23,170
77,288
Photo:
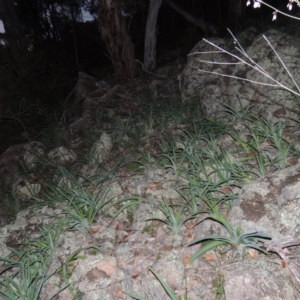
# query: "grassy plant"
24,270
255,143
197,191
176,112
26,273
83,207
261,163
147,160
47,238
175,216
191,140
29,286
236,240
123,128
150,116
261,137
192,202
220,163
175,163
266,145
128,204
241,141
165,145
27,269
242,173
240,115
68,265
213,127
274,134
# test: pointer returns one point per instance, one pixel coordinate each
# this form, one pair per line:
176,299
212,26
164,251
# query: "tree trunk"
117,40
14,33
75,41
150,35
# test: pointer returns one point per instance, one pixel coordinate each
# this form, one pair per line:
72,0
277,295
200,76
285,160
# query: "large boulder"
216,92
269,205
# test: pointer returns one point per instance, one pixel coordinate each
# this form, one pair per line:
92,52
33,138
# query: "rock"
32,154
215,92
252,280
18,166
85,85
129,248
24,190
102,147
26,155
270,204
205,86
62,155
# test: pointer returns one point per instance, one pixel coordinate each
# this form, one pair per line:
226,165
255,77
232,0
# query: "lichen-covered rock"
206,87
102,147
252,279
18,167
24,190
62,155
18,156
268,99
270,204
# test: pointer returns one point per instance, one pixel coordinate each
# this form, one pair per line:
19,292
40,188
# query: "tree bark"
14,33
150,35
117,40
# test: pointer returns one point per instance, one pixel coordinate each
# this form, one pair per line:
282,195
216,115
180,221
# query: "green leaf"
157,219
209,246
257,234
257,248
162,282
210,237
165,286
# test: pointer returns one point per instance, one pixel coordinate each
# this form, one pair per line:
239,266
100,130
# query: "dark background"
36,79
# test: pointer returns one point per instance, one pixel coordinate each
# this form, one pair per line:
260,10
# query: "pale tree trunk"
117,40
150,35
14,33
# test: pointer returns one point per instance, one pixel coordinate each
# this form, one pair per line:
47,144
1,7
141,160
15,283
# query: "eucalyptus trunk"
117,40
150,35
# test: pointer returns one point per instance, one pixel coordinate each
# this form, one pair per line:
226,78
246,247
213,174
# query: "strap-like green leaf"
164,284
209,246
